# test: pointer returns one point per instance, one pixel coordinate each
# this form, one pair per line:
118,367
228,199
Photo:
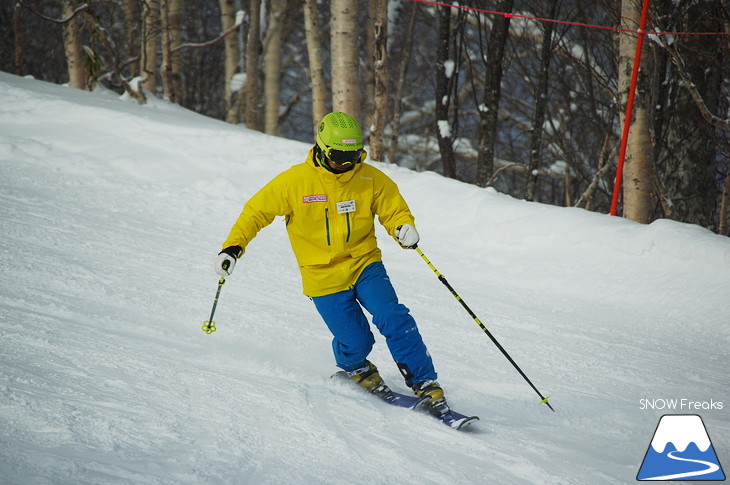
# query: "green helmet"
339,131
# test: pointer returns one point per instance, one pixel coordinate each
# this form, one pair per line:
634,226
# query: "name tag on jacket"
346,206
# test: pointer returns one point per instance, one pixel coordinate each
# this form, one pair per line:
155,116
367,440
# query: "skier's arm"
393,212
257,213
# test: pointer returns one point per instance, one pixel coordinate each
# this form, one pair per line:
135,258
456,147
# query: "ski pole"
481,325
209,325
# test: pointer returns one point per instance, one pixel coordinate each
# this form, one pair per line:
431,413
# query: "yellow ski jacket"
329,218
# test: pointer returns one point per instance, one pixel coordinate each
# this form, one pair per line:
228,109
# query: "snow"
449,67
238,81
444,128
240,17
111,215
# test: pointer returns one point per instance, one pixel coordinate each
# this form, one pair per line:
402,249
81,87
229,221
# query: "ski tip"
464,423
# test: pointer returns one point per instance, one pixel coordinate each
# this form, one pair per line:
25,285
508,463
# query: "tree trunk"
18,39
272,69
316,67
380,77
443,93
541,99
398,98
131,21
489,111
639,179
151,23
176,40
231,57
253,70
171,38
345,57
723,227
72,46
693,187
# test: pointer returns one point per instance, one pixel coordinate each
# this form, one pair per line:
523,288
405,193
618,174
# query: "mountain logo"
680,450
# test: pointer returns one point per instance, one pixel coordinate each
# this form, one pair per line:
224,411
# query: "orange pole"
629,109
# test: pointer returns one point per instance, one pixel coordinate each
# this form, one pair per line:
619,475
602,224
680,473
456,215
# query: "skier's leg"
352,339
374,290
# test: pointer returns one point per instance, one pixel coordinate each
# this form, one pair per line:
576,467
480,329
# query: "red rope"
563,22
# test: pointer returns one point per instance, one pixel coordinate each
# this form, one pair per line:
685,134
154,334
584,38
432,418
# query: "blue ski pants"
353,339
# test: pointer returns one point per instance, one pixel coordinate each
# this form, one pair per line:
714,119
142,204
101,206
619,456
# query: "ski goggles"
342,158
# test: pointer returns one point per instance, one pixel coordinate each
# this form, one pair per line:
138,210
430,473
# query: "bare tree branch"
77,11
516,166
210,42
715,121
593,185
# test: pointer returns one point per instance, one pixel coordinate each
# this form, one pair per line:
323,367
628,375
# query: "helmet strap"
320,160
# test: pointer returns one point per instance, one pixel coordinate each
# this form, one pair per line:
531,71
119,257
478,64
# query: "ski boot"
369,379
437,404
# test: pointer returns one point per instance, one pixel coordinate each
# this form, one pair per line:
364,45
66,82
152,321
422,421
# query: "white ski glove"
407,236
226,261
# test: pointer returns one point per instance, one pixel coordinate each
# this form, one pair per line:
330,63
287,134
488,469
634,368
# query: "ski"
393,398
450,418
453,419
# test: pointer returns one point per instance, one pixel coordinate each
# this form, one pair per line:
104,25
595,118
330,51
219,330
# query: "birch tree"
150,42
316,67
639,177
345,57
171,22
272,67
72,45
232,57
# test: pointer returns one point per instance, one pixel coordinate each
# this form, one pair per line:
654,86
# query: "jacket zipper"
348,227
327,224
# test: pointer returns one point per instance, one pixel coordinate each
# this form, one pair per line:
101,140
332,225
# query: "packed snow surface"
111,215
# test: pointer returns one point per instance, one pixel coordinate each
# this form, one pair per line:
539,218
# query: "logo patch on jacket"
314,198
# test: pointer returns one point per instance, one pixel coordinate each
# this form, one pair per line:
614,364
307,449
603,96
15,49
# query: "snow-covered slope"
111,215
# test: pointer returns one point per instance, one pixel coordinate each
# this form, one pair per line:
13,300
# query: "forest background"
526,96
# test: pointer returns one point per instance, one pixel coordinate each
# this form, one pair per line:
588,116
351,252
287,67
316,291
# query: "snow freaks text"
679,404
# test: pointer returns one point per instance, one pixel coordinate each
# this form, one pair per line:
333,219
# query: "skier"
329,203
